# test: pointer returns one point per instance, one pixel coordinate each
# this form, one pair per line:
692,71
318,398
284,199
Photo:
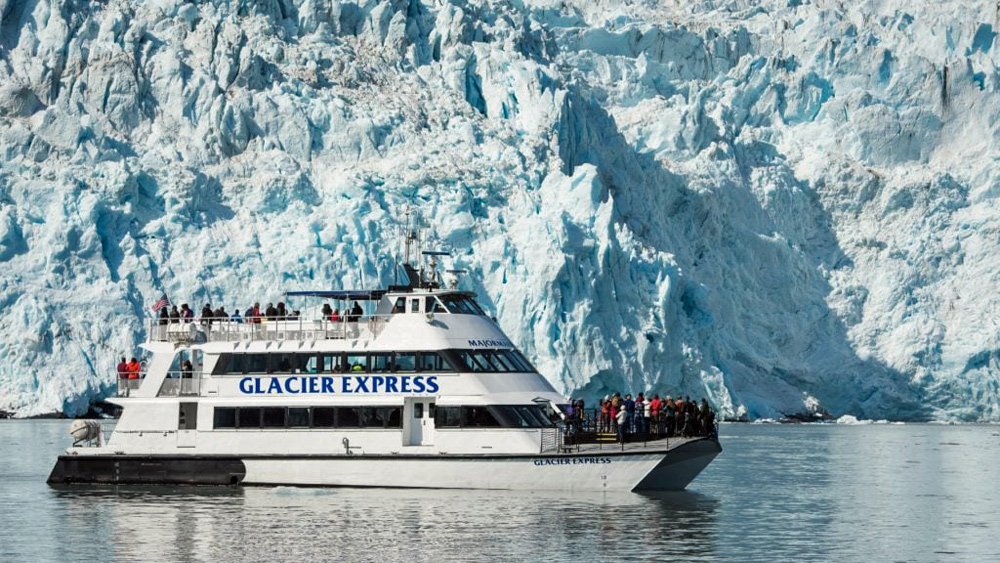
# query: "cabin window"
434,306
225,417
395,417
332,363
521,416
298,417
255,363
381,362
406,361
323,417
274,417
414,305
309,364
222,365
448,417
479,417
236,363
248,417
372,417
399,306
432,361
348,417
284,363
462,305
503,361
357,362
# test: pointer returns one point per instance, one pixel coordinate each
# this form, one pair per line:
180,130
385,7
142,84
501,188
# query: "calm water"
777,493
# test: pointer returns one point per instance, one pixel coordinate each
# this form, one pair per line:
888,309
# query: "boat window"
357,362
348,417
395,417
448,417
309,364
406,361
534,414
332,363
222,364
236,363
432,361
521,416
461,304
284,363
372,417
415,305
249,417
225,417
399,306
418,410
525,364
274,417
298,417
323,417
255,363
380,362
471,363
504,362
434,306
479,417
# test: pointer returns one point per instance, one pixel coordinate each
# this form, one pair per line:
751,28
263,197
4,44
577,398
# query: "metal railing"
264,328
176,384
551,440
589,426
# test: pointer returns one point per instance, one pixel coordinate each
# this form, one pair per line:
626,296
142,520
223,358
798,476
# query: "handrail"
589,427
368,327
177,383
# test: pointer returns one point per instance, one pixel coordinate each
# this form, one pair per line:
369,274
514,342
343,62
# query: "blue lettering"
346,388
418,384
256,386
377,381
405,384
246,386
362,382
390,384
274,387
326,384
313,385
432,384
288,385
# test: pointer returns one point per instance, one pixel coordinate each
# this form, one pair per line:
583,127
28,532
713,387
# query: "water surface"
776,493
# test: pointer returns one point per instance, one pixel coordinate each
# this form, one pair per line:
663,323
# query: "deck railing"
266,328
176,384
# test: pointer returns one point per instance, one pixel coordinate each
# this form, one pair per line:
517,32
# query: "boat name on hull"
571,461
351,384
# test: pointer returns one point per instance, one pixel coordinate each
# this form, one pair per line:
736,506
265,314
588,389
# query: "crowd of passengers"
252,314
627,416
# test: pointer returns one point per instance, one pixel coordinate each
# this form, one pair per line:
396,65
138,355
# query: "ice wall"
785,206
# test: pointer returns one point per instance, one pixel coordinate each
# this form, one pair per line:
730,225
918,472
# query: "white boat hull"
630,470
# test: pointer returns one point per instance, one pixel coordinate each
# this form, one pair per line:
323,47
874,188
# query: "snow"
786,207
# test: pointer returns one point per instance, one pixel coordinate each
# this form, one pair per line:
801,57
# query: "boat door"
187,425
420,419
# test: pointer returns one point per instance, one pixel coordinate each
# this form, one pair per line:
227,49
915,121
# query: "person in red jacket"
123,369
133,369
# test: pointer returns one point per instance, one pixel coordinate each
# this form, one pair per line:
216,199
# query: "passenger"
605,424
270,313
356,313
327,311
175,315
356,366
668,407
294,316
187,370
654,414
628,405
335,316
256,312
186,313
622,423
220,313
206,315
647,415
134,368
123,369
164,316
280,313
236,318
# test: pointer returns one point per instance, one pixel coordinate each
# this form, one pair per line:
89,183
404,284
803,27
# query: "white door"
420,419
187,425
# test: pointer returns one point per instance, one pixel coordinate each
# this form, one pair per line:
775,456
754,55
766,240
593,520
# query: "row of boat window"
308,417
374,362
492,416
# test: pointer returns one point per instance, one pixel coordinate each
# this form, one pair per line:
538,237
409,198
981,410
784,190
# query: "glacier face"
782,205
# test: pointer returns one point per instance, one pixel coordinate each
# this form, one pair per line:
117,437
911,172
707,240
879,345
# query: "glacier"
789,207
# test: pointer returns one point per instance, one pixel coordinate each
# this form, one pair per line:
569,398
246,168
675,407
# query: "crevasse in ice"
786,206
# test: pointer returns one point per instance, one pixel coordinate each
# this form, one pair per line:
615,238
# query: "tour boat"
422,390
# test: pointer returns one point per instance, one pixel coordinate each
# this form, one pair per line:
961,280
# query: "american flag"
161,303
